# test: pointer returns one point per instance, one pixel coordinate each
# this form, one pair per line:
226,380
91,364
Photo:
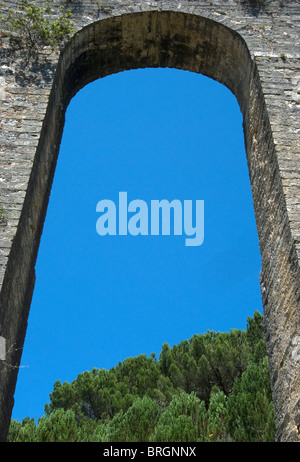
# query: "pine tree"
212,387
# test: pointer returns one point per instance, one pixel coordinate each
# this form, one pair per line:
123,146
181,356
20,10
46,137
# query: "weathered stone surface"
251,47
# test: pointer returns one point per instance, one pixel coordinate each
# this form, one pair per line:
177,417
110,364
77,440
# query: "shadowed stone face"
251,47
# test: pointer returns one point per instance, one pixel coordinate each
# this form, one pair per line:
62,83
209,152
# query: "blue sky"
156,134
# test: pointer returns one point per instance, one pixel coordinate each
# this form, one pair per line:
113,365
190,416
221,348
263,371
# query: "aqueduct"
252,47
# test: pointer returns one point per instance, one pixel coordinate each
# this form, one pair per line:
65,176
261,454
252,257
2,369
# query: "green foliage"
60,426
182,421
217,419
3,214
100,394
31,25
25,432
213,387
137,424
251,413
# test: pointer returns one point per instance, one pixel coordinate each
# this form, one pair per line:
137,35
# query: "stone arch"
197,44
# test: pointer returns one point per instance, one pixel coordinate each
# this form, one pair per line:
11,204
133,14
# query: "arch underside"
158,39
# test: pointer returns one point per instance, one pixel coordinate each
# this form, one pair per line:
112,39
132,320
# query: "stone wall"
252,47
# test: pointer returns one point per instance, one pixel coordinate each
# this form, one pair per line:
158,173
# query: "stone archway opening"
197,297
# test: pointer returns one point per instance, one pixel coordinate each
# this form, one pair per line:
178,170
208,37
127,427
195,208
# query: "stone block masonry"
252,47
